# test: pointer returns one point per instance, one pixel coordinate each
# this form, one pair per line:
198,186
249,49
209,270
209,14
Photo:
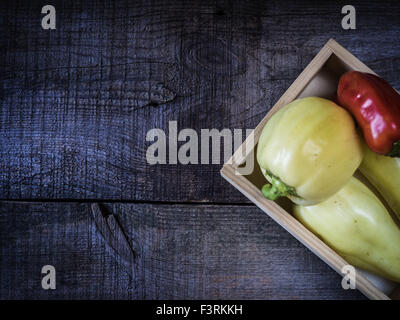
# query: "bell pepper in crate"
308,150
376,107
358,227
384,174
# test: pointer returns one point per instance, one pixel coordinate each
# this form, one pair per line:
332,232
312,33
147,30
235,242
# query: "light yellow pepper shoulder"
384,174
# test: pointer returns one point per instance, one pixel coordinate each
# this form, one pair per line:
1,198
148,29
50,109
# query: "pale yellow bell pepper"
356,224
308,150
384,174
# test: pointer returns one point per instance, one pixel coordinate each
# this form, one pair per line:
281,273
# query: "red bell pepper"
376,107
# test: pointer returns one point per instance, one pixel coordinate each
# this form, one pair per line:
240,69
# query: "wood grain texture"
76,102
183,252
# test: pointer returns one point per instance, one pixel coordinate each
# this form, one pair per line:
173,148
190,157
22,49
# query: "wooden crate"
319,78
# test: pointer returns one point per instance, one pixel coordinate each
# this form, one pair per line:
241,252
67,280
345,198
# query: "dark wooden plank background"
76,104
182,252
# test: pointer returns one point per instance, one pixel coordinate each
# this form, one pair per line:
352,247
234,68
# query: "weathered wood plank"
182,252
76,102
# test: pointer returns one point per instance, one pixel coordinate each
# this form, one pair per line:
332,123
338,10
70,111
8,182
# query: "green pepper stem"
395,152
270,192
276,189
